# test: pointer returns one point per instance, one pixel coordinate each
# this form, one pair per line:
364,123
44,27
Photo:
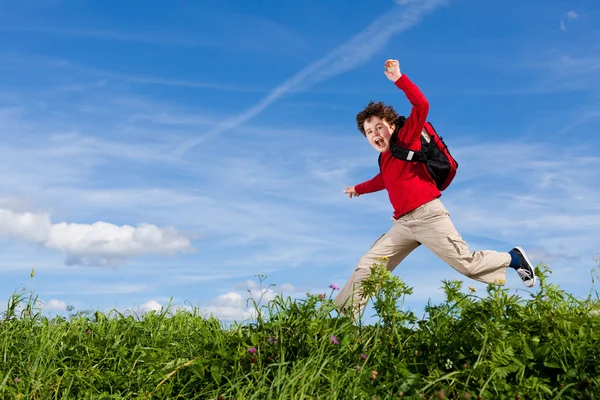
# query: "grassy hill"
492,345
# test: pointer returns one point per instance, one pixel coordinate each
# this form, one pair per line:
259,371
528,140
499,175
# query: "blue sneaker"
525,270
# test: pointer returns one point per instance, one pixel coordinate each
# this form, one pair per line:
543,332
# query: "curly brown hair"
386,113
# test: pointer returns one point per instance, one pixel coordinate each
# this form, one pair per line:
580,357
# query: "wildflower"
448,364
88,331
272,339
334,340
334,286
17,380
252,350
374,375
321,296
363,357
472,289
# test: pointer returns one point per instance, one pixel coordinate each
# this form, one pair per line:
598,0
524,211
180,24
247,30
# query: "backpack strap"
401,152
407,154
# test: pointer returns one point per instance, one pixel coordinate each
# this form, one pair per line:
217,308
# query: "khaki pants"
431,226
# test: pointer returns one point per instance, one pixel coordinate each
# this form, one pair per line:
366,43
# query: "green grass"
495,345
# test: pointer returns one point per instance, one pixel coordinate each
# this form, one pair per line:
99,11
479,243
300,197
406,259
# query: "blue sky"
180,148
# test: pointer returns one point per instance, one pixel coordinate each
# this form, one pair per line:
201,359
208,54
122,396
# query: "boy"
419,215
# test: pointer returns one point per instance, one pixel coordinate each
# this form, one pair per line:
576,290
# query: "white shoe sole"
530,264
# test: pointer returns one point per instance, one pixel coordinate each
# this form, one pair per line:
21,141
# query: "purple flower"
272,339
334,340
334,286
251,350
364,357
321,296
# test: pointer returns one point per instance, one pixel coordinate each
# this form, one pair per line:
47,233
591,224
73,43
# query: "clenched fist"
392,70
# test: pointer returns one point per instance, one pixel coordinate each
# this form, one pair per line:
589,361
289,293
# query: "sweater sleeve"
372,185
410,134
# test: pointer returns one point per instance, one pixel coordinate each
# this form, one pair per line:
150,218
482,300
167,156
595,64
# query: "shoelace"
524,274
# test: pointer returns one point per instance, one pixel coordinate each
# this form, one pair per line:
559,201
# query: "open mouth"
379,143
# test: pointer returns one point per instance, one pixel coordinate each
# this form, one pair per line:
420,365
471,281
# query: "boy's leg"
396,244
433,227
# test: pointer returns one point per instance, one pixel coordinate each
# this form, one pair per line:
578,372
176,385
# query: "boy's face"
378,133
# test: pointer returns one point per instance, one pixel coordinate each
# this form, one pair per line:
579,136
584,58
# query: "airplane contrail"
347,56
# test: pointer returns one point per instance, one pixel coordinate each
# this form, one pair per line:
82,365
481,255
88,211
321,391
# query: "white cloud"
99,243
55,305
103,242
231,306
571,15
225,313
286,287
240,306
249,284
32,227
231,299
346,57
263,296
151,305
239,201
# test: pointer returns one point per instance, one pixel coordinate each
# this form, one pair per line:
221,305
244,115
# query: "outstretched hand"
392,70
351,192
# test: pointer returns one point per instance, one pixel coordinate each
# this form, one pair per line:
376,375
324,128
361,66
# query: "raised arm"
410,134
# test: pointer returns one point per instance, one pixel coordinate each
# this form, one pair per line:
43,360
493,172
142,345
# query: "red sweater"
408,183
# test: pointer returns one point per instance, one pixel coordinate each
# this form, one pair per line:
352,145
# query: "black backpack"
434,154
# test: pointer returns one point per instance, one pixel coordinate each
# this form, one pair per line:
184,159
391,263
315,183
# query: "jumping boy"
419,215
